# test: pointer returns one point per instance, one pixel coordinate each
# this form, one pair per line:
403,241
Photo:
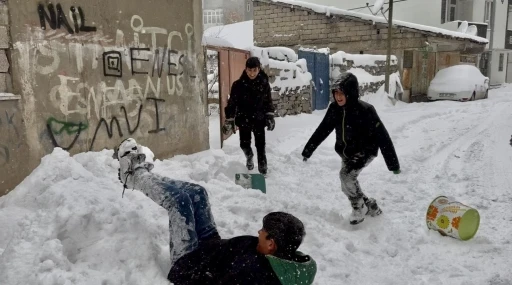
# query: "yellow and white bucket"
451,218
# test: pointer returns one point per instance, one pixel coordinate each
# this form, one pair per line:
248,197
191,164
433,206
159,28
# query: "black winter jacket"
250,101
226,262
359,132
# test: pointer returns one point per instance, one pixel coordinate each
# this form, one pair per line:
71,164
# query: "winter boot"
262,163
359,210
250,162
373,208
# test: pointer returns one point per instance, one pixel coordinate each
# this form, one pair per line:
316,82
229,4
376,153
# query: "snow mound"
67,224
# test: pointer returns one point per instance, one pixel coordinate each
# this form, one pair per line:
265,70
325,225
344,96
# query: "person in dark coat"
250,108
269,259
359,135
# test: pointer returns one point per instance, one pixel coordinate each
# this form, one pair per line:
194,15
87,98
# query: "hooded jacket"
359,130
250,101
236,261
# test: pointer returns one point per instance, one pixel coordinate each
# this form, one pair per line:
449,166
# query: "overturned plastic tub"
452,218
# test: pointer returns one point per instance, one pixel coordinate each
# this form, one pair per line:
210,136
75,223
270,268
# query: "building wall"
276,25
425,12
103,71
498,76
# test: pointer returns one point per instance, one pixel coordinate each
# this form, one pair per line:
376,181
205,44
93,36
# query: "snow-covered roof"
329,10
239,35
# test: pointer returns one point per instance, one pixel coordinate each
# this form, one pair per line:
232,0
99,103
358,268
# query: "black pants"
259,141
350,170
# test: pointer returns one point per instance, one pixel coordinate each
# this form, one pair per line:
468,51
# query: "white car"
460,83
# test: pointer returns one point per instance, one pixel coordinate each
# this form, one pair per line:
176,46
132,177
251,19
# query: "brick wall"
279,25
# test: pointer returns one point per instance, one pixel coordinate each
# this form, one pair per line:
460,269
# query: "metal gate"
318,66
231,65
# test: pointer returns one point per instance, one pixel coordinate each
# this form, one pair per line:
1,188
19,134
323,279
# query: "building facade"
493,19
224,12
421,51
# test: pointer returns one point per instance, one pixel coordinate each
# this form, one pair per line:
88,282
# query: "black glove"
228,127
304,158
270,122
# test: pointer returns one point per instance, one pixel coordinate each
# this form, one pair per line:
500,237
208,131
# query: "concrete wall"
102,71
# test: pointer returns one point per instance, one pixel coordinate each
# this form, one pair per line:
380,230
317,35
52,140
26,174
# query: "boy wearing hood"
198,254
250,108
359,135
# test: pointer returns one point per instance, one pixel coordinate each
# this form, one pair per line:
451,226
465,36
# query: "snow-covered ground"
67,223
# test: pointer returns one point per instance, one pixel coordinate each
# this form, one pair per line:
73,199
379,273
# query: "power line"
396,1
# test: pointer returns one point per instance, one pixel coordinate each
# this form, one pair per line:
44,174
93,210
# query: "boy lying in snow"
198,254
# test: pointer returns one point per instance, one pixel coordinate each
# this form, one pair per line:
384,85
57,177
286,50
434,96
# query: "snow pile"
320,50
238,35
342,57
293,72
369,70
67,224
329,11
465,77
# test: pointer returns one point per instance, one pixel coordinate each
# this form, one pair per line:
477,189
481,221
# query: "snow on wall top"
239,35
376,19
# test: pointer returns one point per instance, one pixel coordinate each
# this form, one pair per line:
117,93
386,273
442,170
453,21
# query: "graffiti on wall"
57,128
136,74
10,138
57,19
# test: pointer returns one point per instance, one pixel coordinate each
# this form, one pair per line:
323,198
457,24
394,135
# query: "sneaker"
358,213
373,208
250,163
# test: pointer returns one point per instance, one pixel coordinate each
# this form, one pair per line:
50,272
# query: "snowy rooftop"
239,35
329,10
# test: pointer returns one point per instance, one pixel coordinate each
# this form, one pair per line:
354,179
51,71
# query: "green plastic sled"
251,181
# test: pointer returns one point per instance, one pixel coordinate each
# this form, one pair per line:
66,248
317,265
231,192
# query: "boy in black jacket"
250,108
269,259
359,135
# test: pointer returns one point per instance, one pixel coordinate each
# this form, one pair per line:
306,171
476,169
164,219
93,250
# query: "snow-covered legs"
190,217
361,204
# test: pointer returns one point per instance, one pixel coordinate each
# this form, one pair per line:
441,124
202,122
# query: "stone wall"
289,100
93,73
373,65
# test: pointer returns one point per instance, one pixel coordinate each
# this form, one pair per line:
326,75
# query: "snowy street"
67,223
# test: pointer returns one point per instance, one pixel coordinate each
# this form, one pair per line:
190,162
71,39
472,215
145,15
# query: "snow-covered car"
460,83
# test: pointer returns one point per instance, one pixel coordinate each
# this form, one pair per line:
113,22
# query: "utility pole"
491,39
390,37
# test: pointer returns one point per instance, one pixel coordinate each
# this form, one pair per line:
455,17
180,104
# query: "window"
248,7
451,10
509,18
488,12
448,10
213,17
502,58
